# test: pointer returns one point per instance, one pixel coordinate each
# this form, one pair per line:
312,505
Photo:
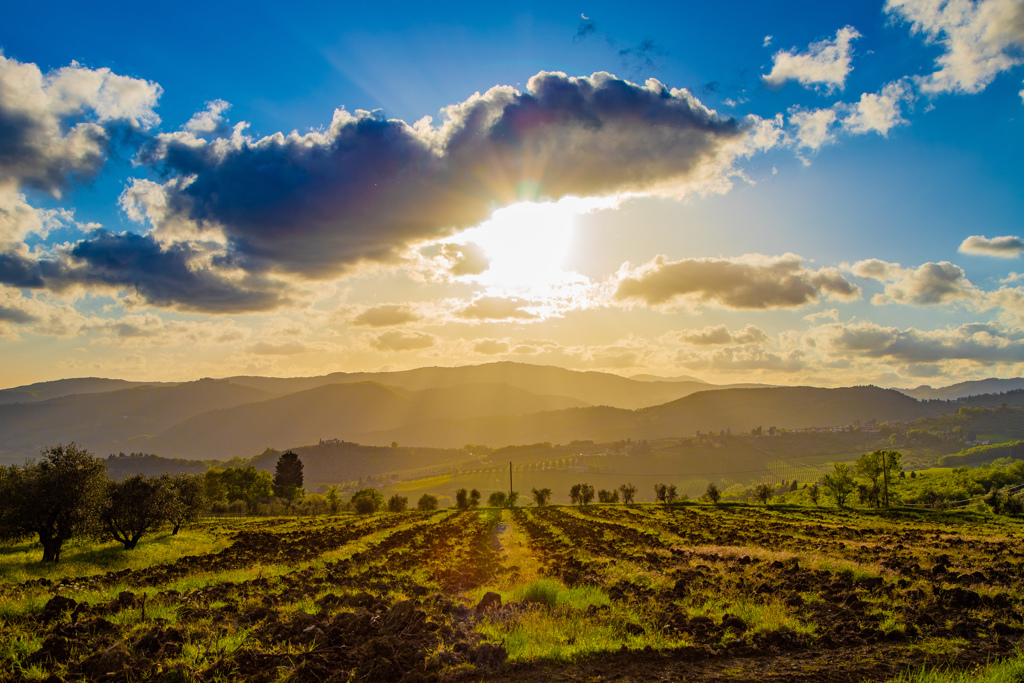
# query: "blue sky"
820,193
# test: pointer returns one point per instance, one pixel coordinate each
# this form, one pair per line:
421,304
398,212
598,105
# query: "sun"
528,245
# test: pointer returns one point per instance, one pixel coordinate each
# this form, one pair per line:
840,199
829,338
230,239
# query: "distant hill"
721,410
109,422
964,389
336,411
592,388
42,391
656,378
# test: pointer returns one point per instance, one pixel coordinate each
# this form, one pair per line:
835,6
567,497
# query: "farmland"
694,592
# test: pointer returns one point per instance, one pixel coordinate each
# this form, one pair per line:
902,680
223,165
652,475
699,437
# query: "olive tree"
55,498
628,492
133,507
541,497
189,499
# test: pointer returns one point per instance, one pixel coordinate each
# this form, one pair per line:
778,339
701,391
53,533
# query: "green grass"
1007,671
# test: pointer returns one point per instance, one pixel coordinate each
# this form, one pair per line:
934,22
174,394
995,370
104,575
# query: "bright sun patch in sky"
528,244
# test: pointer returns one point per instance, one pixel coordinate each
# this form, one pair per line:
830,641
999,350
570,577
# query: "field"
689,592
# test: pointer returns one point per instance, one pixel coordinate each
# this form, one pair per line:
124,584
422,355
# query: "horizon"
823,196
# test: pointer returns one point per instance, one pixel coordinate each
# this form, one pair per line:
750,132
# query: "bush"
541,497
427,502
628,492
712,494
397,503
238,507
366,501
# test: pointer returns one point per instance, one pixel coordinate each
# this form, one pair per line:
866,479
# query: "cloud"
1008,246
497,308
753,281
387,315
278,348
874,112
466,259
720,334
367,187
767,41
210,121
879,112
490,347
59,126
736,359
979,39
826,62
162,276
930,284
402,341
983,343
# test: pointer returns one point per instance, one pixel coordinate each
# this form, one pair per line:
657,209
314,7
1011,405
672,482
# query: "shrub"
581,494
427,502
397,503
712,494
238,507
367,501
541,497
628,492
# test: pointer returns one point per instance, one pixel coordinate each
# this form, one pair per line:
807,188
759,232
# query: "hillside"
349,412
110,422
591,388
42,391
964,389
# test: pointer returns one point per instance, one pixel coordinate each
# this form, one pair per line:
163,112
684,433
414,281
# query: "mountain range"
495,404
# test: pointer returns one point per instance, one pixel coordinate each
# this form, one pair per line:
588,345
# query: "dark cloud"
9,314
749,282
385,316
586,27
368,187
163,276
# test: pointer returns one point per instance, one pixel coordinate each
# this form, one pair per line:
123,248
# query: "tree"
712,494
397,503
581,494
55,498
462,499
665,493
427,502
814,493
628,492
496,499
474,498
288,476
608,496
333,501
238,483
366,501
763,493
188,500
880,468
541,497
132,508
840,483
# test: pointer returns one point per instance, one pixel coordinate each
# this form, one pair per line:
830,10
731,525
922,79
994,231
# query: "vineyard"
689,592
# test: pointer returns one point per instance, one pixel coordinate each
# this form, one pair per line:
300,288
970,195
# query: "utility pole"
510,480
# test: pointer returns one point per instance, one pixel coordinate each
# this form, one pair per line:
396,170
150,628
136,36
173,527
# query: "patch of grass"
1007,671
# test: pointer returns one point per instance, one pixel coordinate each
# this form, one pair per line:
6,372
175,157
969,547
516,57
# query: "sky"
791,193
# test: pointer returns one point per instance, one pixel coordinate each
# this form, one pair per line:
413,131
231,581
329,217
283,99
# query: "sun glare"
528,245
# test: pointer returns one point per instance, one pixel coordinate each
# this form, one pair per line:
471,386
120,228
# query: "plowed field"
634,593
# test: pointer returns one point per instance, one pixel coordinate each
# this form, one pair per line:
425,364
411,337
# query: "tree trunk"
177,525
51,549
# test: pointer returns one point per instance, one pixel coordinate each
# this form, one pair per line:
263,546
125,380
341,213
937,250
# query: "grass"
1007,671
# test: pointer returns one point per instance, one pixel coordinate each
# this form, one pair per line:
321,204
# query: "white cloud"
826,63
980,39
1008,246
879,112
814,127
209,121
930,284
